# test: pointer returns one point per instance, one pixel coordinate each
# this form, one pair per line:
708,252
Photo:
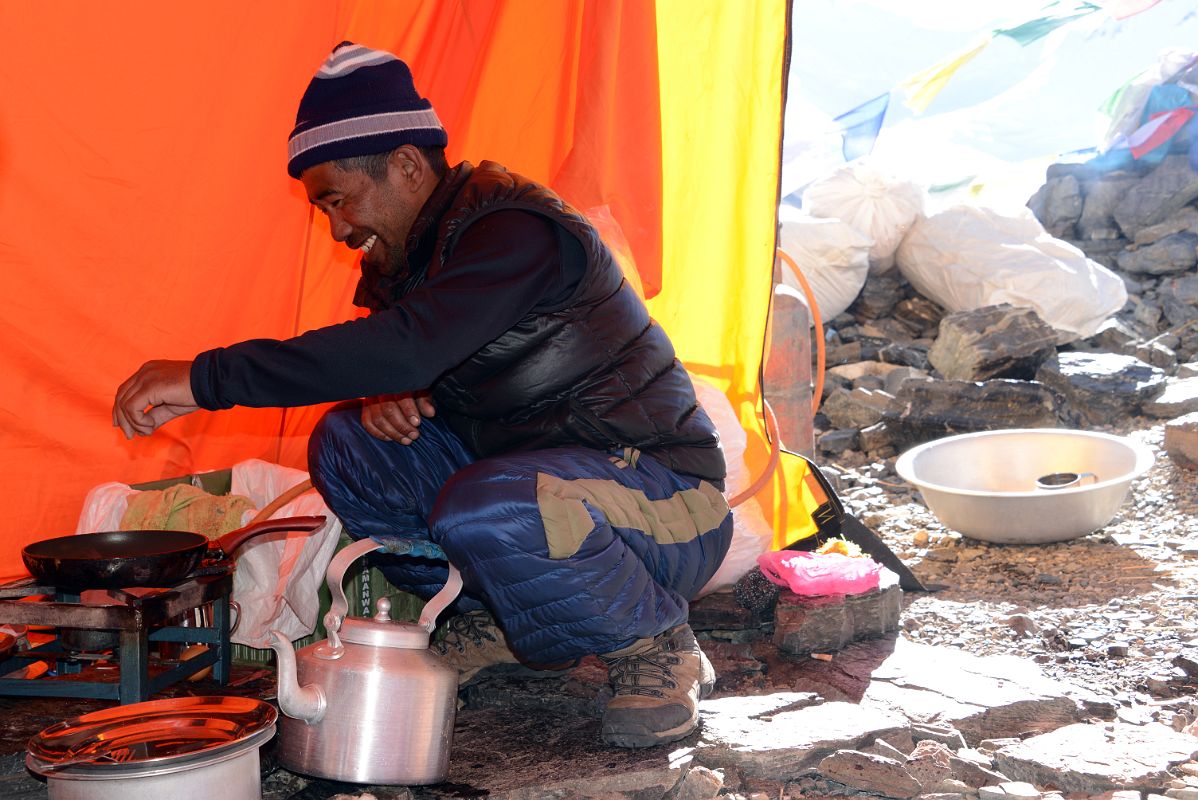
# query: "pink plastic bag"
820,573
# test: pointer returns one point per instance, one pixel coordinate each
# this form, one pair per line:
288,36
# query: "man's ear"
408,165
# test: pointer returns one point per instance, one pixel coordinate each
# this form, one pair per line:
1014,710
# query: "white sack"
968,257
752,533
877,205
277,579
832,255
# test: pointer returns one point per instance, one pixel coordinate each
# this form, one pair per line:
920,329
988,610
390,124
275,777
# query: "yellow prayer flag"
922,87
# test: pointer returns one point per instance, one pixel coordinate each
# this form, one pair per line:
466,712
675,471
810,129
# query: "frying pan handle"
234,539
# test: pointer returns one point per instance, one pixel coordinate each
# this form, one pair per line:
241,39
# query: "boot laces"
646,673
466,629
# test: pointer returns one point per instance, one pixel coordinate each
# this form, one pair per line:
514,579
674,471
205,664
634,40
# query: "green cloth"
185,508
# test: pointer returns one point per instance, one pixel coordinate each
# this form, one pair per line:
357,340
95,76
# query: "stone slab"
983,698
1100,757
780,736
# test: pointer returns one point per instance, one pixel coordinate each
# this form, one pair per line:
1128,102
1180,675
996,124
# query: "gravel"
1112,612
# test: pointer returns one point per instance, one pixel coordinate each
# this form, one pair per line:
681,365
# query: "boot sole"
639,736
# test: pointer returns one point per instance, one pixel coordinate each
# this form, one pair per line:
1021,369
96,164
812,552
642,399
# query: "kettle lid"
381,631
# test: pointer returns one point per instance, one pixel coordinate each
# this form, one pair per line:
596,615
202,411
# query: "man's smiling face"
374,216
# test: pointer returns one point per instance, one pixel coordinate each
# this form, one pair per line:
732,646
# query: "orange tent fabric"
145,210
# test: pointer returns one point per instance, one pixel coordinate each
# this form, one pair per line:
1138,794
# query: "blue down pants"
574,551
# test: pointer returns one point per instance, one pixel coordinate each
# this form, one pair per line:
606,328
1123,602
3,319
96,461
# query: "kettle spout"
305,703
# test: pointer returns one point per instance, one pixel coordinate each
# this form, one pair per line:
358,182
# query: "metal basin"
984,485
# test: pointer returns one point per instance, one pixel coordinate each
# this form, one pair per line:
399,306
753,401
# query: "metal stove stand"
139,620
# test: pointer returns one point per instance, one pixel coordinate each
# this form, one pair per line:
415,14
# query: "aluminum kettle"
369,704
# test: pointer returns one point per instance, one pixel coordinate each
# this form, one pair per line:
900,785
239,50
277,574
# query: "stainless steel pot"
182,748
370,704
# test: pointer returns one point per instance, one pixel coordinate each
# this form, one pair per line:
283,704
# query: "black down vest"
598,373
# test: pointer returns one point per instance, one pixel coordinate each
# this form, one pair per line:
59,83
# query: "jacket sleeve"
503,266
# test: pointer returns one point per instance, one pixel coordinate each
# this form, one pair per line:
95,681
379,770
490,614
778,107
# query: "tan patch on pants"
676,519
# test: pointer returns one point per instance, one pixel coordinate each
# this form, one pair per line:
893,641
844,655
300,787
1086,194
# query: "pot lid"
152,732
381,631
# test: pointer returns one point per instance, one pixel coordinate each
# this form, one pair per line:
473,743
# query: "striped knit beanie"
360,102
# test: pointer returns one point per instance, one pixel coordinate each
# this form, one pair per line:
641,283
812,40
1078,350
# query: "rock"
826,623
1180,397
698,783
1019,789
973,774
724,611
991,746
881,747
837,441
1022,624
878,297
1161,194
1100,197
1183,290
929,763
941,732
858,408
768,737
1102,386
1095,758
920,314
876,437
895,379
1104,251
1062,206
1177,252
1185,219
926,410
913,355
1113,336
869,773
1156,354
999,341
860,369
1181,440
981,697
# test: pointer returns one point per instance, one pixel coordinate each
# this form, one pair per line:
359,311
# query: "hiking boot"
474,643
657,685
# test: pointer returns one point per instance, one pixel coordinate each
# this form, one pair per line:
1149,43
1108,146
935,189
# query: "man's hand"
155,394
396,417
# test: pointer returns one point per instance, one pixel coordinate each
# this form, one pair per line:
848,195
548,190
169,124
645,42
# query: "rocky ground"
1113,611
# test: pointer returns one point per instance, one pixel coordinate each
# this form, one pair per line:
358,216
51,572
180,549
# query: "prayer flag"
922,87
859,128
1036,29
1158,130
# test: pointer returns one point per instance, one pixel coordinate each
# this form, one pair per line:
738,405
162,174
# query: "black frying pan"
118,559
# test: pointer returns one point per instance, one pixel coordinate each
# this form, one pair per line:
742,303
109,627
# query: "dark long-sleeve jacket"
515,314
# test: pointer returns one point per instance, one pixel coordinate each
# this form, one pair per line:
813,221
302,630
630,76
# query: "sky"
1001,118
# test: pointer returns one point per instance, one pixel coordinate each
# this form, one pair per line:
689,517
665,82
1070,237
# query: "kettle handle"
335,576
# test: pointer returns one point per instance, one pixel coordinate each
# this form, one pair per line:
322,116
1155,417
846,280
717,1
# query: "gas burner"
125,622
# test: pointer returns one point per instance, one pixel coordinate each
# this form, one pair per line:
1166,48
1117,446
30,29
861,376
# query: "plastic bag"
752,533
876,205
832,255
969,257
820,573
277,581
